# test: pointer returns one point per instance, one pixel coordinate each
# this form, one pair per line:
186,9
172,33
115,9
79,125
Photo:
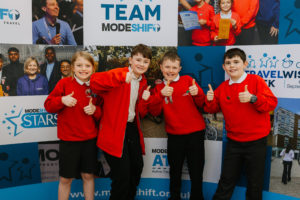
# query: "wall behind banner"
108,29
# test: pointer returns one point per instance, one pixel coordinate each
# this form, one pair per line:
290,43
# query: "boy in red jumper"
124,91
179,97
72,100
205,12
245,100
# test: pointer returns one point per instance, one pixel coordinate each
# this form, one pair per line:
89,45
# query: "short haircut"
14,49
235,52
87,56
142,49
28,61
219,2
170,55
49,48
65,60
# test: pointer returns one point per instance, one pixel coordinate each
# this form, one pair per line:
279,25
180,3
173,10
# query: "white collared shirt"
175,80
225,16
134,90
81,82
241,79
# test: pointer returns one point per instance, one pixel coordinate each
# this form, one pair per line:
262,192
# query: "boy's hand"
167,91
216,38
129,77
69,100
90,109
202,22
193,89
210,93
146,93
245,96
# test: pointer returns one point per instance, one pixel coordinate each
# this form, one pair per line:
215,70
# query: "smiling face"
65,69
31,68
139,64
82,69
51,8
170,69
234,67
13,56
225,5
50,55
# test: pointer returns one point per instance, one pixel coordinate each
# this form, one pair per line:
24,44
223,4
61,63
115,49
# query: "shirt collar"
81,82
241,79
175,80
134,77
225,16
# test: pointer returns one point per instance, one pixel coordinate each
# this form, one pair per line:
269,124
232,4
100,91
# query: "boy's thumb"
210,88
168,82
91,101
246,88
71,94
148,88
194,82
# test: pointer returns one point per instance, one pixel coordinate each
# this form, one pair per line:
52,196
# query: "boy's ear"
245,64
223,66
129,60
44,8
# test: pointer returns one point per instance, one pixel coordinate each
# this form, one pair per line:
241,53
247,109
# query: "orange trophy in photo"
224,28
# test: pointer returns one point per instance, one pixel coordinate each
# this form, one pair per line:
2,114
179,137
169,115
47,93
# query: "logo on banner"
19,119
9,16
139,18
160,162
271,68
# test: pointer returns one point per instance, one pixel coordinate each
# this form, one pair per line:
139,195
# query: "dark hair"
170,55
235,52
43,3
219,2
65,60
12,49
288,148
142,49
49,48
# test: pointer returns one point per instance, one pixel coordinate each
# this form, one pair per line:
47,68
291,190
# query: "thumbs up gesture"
210,93
146,93
193,89
90,109
69,100
245,96
129,77
167,91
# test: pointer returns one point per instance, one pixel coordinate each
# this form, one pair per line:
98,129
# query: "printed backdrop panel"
129,22
24,119
278,65
15,22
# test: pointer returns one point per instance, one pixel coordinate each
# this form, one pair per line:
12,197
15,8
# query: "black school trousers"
126,171
252,156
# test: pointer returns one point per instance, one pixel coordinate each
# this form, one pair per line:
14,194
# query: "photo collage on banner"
49,32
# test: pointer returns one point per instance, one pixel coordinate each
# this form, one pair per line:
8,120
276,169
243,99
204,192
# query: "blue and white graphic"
16,21
289,29
26,121
128,22
278,66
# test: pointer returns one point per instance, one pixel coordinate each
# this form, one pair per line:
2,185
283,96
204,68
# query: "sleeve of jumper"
213,29
155,106
276,11
53,103
266,101
211,15
199,99
214,105
105,81
252,11
98,102
237,31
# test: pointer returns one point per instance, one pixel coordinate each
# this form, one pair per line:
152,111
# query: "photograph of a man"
49,29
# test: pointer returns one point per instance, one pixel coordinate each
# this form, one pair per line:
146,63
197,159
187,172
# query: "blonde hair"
87,56
28,61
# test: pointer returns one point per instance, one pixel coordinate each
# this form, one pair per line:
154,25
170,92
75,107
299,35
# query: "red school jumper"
111,86
247,10
182,117
73,124
244,122
201,37
232,33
